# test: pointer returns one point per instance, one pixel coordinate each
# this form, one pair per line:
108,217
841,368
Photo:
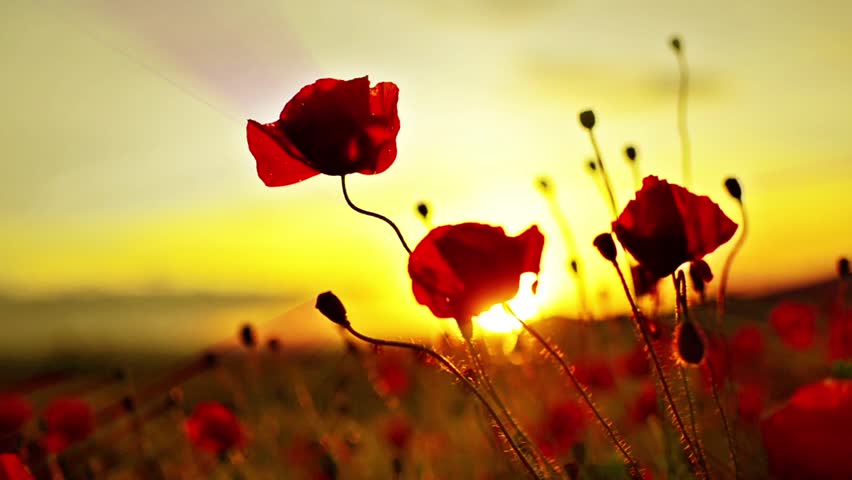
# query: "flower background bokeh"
127,192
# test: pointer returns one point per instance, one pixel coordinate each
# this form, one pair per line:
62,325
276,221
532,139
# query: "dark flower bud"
592,166
247,336
329,305
734,189
575,267
587,119
700,274
606,246
273,344
843,268
543,184
689,346
128,403
630,153
210,359
675,43
423,210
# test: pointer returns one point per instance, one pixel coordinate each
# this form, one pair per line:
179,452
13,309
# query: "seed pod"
329,305
587,119
734,188
606,246
689,346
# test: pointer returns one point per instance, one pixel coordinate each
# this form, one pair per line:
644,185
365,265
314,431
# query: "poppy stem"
732,444
639,319
455,371
610,429
683,90
726,269
373,214
612,203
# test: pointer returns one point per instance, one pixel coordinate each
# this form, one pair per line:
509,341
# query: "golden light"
524,304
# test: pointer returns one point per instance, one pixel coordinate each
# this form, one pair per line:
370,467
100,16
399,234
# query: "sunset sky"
125,168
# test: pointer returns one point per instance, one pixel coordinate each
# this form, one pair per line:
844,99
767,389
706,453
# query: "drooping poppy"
594,373
13,468
809,436
215,429
666,225
750,399
334,127
562,426
840,335
795,324
15,412
644,405
747,344
459,271
68,420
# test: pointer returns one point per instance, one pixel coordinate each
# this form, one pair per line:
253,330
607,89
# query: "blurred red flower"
795,324
12,468
750,399
716,368
15,412
562,427
747,344
636,363
594,373
68,420
392,376
459,271
666,225
397,433
644,405
840,335
334,127
215,429
809,436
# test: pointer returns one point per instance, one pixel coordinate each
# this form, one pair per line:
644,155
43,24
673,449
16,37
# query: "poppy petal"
277,159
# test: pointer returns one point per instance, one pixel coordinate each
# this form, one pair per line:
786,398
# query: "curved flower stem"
373,214
726,269
690,405
608,427
643,331
683,90
612,203
489,387
455,371
682,315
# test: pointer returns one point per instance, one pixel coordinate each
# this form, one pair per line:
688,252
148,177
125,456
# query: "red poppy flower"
840,336
666,225
715,368
635,363
397,433
214,428
795,324
595,374
15,412
809,437
750,402
747,344
459,271
644,405
334,127
68,420
562,427
12,468
391,376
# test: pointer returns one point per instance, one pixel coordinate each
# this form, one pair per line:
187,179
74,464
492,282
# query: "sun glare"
525,305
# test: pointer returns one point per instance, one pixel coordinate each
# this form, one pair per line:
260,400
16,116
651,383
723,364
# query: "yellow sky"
125,166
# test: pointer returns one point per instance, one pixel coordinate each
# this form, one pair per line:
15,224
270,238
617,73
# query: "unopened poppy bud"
543,184
210,359
247,336
843,268
575,267
592,166
630,153
675,43
734,189
273,344
688,343
423,210
587,119
329,305
700,274
606,246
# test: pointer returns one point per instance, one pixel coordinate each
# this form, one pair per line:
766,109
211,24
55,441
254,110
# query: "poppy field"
692,381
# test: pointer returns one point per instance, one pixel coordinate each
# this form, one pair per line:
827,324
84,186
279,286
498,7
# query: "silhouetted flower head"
247,336
630,153
13,468
734,188
795,324
329,305
397,433
747,344
644,405
666,225
587,119
273,344
423,210
15,412
700,275
459,271
750,399
68,420
215,429
562,426
334,127
592,166
843,268
675,43
809,436
606,246
689,344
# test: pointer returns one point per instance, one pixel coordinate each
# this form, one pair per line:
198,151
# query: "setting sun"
525,305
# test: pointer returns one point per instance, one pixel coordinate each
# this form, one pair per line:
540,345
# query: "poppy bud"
128,403
700,274
606,246
247,336
423,210
543,184
689,346
675,43
273,344
587,119
210,359
630,152
574,267
329,305
734,189
843,267
592,166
